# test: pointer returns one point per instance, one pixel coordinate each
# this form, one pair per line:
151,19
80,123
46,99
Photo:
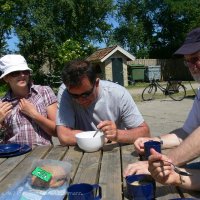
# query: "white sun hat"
11,63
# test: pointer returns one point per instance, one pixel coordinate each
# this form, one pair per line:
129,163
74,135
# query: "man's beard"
196,77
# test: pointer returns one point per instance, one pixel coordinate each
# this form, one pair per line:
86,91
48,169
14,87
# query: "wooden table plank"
110,176
9,165
88,170
24,167
73,156
56,153
2,160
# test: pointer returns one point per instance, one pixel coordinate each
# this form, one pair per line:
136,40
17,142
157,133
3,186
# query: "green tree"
72,49
155,29
43,26
7,15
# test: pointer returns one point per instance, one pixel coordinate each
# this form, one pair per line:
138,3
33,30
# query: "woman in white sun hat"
27,111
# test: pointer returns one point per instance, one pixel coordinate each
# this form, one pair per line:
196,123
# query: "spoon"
96,132
178,170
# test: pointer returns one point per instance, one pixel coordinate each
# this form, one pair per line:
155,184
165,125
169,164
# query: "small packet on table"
49,179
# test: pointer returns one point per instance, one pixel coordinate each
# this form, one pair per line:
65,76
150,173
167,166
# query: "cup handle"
98,188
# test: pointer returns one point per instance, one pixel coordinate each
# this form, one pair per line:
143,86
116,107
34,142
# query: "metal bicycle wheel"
149,92
177,94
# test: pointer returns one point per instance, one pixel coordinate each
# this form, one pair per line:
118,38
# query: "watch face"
161,141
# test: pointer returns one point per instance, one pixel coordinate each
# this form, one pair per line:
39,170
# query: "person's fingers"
103,124
160,173
155,156
160,168
5,104
109,129
2,104
136,168
137,144
6,108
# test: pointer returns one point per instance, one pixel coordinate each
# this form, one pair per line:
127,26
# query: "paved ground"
163,115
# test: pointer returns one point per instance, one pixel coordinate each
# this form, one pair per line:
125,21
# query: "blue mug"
151,144
140,187
83,191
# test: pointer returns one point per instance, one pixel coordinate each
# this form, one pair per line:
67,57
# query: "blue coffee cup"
83,191
151,145
140,187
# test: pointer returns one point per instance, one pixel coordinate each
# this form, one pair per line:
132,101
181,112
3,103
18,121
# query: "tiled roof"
101,53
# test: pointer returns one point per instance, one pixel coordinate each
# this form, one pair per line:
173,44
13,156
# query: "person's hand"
162,171
140,167
109,129
5,109
139,144
27,108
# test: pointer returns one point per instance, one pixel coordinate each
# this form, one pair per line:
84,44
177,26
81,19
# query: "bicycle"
175,89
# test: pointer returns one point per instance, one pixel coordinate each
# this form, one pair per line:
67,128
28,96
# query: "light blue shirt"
193,120
113,103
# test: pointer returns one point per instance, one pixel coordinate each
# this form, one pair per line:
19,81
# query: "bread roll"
58,177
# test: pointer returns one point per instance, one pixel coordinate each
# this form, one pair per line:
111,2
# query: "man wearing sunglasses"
87,103
186,139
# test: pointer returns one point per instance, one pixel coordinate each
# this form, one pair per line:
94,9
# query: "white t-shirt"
113,103
193,120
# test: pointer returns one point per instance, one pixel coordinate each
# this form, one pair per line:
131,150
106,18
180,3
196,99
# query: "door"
117,71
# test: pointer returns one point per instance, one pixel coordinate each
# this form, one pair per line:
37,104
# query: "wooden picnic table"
104,167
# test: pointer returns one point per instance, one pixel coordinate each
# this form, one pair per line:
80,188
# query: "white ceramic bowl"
88,143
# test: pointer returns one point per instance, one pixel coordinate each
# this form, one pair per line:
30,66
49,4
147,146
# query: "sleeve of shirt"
65,112
130,113
49,96
193,119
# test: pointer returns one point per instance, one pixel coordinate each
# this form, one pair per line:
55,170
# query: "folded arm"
48,124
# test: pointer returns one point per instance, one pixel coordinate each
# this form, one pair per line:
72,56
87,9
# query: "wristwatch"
160,140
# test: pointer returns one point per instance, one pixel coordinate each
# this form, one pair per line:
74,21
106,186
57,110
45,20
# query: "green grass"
144,84
138,85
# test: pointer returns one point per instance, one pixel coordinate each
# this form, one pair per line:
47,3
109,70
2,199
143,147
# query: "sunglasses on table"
18,73
83,95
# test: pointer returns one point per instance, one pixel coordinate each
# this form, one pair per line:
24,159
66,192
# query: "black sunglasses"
18,73
83,95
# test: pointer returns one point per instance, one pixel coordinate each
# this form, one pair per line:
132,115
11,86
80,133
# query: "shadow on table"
161,191
164,190
110,146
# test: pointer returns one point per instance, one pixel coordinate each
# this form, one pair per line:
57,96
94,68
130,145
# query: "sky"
13,41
